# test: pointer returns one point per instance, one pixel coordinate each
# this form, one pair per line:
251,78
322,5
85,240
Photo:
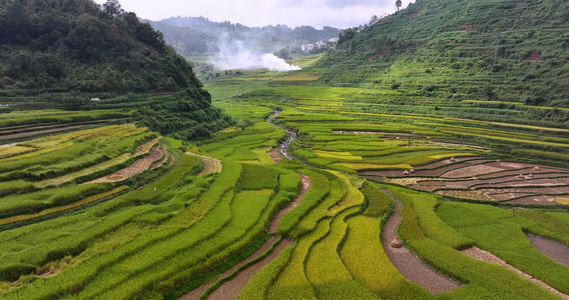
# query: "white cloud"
317,13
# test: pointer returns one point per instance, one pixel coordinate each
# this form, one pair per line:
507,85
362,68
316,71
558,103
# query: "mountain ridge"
517,49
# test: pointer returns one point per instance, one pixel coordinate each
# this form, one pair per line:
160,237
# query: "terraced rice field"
229,216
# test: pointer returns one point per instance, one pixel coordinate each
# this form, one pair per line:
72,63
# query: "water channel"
292,135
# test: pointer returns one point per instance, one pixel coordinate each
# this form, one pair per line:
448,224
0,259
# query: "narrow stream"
290,131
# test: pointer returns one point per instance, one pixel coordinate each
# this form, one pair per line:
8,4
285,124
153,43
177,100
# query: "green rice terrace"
118,211
361,176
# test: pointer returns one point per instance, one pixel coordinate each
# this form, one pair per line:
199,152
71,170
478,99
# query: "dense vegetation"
507,50
62,46
60,54
120,212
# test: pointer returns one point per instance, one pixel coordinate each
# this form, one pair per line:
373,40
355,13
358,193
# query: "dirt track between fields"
135,168
550,248
231,288
480,254
305,186
407,263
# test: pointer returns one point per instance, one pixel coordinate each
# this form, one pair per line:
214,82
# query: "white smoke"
233,54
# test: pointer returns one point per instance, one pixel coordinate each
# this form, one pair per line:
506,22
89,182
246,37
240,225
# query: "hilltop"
62,54
199,35
506,50
55,46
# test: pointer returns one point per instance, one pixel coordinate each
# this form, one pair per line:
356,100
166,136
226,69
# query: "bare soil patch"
231,288
276,155
32,133
305,186
210,164
507,196
536,199
509,165
526,171
407,263
533,56
135,168
159,163
471,171
468,194
480,254
441,163
550,248
195,294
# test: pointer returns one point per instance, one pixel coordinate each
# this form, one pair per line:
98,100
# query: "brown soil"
135,168
533,56
509,165
159,163
525,171
144,148
210,164
276,155
399,173
32,133
480,254
537,199
441,163
44,128
407,263
470,171
550,248
370,132
506,196
305,186
230,289
200,290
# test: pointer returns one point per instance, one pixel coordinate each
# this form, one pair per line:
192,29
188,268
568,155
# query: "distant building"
95,99
320,45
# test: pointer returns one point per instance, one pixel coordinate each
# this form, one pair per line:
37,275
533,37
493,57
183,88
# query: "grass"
259,285
326,271
257,177
292,281
497,231
423,206
320,187
362,254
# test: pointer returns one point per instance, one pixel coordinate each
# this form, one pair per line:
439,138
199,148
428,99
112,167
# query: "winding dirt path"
550,248
480,254
305,186
231,288
195,294
406,262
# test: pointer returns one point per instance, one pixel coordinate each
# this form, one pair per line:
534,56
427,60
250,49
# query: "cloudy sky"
317,13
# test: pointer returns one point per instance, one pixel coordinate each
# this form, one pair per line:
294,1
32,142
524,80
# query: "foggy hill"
507,50
198,35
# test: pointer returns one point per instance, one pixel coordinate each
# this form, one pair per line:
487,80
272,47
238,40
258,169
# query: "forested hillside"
60,54
198,35
507,50
57,45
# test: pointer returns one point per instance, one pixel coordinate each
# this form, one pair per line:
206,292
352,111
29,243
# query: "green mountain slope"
61,53
506,50
73,45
